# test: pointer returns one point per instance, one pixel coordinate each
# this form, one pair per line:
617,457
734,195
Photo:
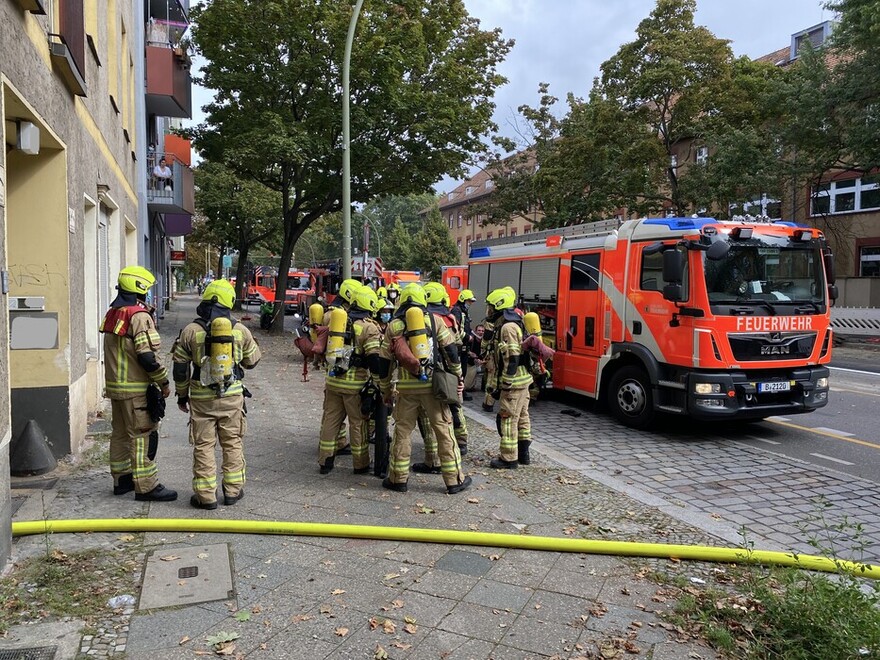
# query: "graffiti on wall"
40,276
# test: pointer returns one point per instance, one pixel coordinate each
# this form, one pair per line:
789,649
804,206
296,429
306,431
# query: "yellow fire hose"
451,537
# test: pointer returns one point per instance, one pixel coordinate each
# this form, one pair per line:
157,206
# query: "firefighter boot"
457,488
390,485
125,484
500,464
523,456
158,494
327,467
194,501
424,468
229,500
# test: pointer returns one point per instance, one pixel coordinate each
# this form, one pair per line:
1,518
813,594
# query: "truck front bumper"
756,394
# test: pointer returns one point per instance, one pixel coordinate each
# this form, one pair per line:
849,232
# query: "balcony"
64,62
169,84
180,197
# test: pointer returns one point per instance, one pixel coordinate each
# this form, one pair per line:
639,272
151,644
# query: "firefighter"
352,366
393,290
343,299
412,331
512,381
210,356
136,384
487,354
438,304
460,310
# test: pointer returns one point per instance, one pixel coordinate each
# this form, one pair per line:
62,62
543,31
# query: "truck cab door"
578,326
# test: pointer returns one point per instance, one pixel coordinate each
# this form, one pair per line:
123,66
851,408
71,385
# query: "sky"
563,42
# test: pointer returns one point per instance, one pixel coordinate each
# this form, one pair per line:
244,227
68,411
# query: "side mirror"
832,292
828,258
718,250
673,292
673,266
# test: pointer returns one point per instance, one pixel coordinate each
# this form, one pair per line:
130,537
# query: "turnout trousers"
338,406
129,443
513,422
211,421
406,414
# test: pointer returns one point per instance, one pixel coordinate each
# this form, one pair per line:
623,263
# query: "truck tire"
630,397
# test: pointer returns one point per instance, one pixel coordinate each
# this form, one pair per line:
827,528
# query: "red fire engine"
691,316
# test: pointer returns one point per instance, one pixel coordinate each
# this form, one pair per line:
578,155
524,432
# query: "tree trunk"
219,271
240,273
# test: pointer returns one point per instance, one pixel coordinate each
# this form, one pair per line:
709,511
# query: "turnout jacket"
131,345
406,381
189,349
364,342
510,371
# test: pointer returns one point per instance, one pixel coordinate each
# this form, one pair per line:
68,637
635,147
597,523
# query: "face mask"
385,317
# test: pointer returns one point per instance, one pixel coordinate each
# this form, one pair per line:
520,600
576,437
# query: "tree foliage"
422,77
432,247
238,214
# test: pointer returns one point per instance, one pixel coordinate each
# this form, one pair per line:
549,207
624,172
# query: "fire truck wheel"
630,397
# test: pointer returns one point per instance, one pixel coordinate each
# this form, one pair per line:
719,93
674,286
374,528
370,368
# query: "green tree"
423,74
238,214
398,253
386,210
433,247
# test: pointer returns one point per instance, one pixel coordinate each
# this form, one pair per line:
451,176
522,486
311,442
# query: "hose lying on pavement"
451,537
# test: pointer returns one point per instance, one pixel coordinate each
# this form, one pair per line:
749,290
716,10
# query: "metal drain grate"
188,572
36,653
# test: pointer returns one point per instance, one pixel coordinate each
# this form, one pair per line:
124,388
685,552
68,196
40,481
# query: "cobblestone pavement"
699,470
315,597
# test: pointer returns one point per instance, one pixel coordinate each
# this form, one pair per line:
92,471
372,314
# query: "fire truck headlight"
822,383
707,388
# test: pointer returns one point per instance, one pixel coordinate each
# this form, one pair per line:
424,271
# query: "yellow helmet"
366,299
467,295
393,286
135,279
348,289
220,292
413,293
434,293
382,292
502,298
384,303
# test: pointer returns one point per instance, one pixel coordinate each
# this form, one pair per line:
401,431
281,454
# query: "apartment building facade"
76,81
460,209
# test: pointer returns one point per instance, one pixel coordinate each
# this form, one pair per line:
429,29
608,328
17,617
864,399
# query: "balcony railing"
169,84
180,197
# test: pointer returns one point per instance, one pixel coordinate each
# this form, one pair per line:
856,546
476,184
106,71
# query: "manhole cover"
36,653
183,576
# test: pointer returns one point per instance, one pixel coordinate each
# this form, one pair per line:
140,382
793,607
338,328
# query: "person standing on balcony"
162,174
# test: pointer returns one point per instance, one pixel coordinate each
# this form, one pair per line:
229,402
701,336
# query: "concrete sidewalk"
313,597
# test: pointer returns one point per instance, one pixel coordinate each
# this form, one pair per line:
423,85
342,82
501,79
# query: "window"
478,237
500,233
459,219
702,155
489,184
450,221
847,196
467,249
585,272
458,245
652,272
513,232
470,220
450,196
488,235
810,38
469,190
869,261
527,229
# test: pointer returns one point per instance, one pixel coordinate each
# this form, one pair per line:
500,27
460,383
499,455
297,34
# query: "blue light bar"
479,253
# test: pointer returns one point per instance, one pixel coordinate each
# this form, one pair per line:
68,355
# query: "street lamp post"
346,143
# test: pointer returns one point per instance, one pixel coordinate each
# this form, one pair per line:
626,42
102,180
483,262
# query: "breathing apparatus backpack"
339,342
217,367
534,352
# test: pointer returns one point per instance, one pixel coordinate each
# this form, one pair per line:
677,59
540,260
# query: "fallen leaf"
411,628
397,603
169,558
473,500
302,617
227,648
58,555
262,576
389,627
675,560
341,632
401,645
337,592
221,638
567,482
494,557
127,537
181,583
256,609
264,646
568,531
183,641
409,619
425,509
379,653
243,615
391,576
325,609
203,555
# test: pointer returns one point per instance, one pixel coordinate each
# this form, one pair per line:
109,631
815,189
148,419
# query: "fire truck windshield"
766,270
298,282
